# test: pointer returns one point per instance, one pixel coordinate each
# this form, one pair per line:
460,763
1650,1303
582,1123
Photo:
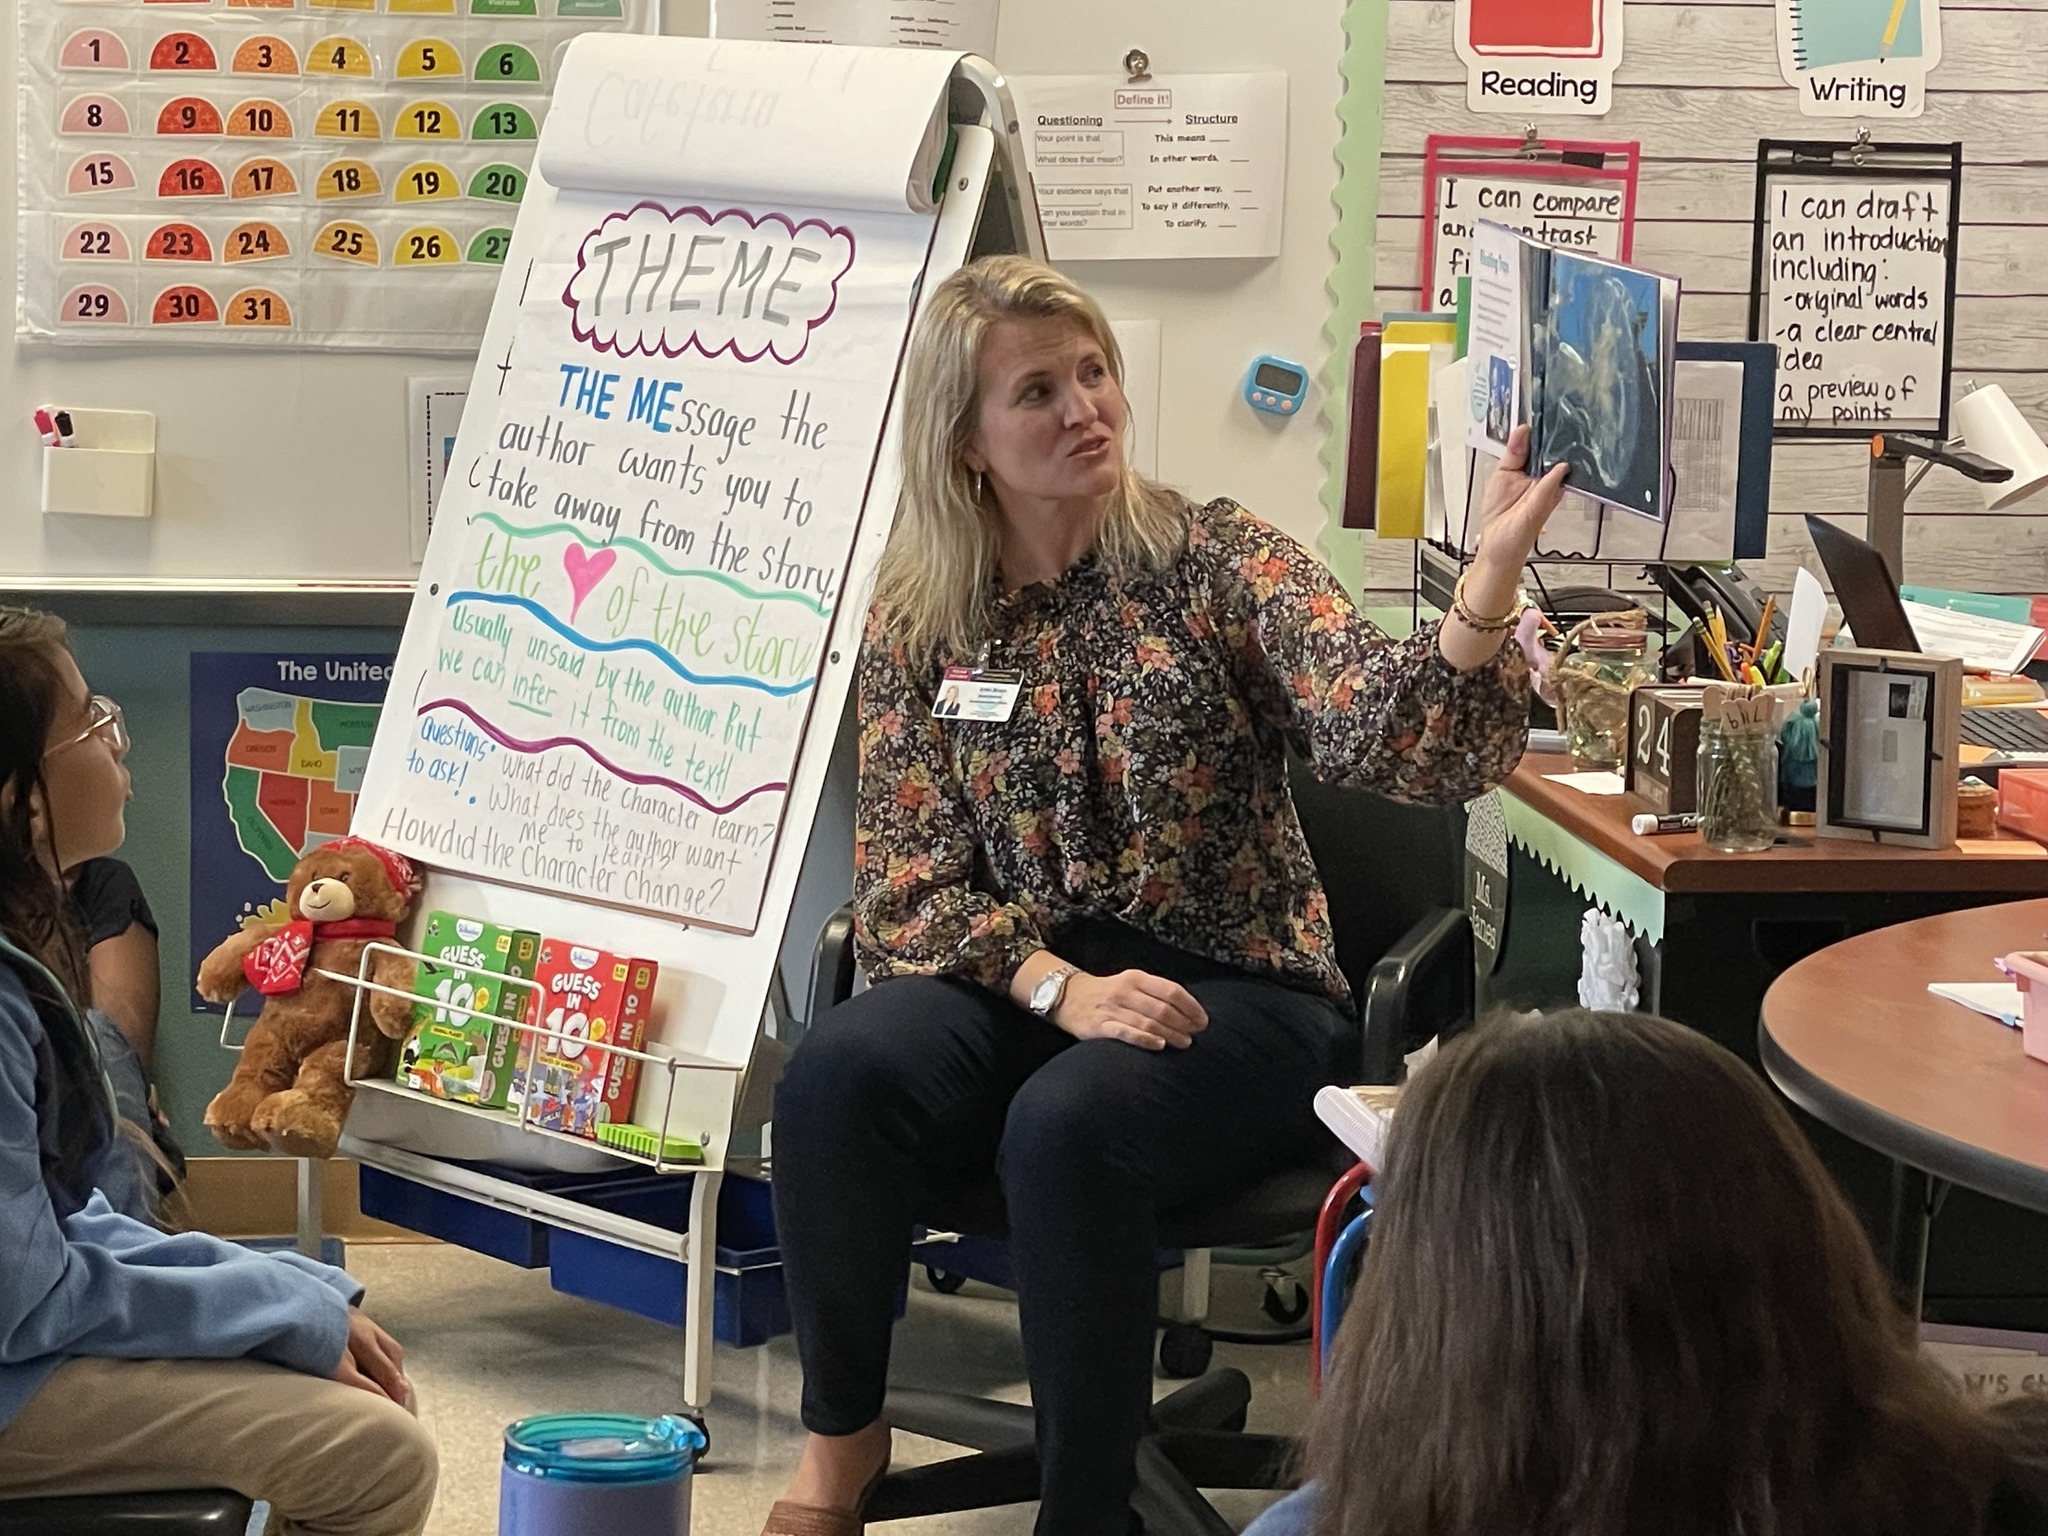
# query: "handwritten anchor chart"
646,531
279,172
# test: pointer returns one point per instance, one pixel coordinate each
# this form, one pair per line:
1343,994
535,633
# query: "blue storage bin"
748,1308
453,1219
470,1223
749,1305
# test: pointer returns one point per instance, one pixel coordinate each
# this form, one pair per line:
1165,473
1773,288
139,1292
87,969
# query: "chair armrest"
1431,965
831,965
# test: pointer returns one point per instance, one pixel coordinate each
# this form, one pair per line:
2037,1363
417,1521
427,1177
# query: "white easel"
987,206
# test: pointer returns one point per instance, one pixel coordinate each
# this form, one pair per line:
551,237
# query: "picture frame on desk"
1664,748
1890,739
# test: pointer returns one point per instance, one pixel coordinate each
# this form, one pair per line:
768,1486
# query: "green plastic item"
642,1142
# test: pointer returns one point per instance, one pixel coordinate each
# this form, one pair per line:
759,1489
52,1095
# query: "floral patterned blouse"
1142,775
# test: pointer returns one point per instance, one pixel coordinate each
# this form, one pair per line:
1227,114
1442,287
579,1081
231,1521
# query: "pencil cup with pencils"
1602,662
1738,791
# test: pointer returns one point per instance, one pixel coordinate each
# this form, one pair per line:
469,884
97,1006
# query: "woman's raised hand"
1512,515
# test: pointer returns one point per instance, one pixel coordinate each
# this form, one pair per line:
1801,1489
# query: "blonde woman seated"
1105,974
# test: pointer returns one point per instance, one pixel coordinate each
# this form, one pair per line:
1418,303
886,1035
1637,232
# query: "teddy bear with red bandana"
290,1092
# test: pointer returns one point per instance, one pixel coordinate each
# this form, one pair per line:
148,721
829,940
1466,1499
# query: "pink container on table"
2029,967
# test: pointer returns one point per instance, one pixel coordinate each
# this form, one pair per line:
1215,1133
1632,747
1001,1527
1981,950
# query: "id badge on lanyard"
977,693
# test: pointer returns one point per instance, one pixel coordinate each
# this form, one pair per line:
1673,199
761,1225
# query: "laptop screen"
1864,587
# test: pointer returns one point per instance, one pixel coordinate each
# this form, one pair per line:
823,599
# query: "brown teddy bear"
290,1092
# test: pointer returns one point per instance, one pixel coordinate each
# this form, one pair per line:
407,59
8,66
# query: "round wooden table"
1853,1037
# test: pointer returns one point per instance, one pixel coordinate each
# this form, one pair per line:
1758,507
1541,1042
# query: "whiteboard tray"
393,1116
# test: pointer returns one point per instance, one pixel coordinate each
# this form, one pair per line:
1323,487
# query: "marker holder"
109,471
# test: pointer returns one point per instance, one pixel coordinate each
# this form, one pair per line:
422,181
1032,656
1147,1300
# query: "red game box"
589,998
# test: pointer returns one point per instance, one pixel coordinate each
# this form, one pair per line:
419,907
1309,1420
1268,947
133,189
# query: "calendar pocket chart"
282,173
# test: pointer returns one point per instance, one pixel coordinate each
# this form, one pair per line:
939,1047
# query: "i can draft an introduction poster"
1540,57
1859,58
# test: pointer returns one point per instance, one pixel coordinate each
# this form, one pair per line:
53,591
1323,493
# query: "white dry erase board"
636,625
1853,277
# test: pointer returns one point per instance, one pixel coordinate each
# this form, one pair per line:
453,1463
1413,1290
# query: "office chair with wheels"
203,1512
1393,875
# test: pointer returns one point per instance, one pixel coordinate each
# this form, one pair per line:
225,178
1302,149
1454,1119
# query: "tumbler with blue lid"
597,1474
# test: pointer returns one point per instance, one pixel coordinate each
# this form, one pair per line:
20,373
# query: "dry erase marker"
46,426
1647,825
64,436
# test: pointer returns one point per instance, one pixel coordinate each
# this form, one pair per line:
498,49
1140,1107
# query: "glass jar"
1738,789
1593,678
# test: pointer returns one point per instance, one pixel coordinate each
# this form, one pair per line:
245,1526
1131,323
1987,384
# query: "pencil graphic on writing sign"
1891,30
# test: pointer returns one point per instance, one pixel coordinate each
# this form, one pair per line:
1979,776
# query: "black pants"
920,1098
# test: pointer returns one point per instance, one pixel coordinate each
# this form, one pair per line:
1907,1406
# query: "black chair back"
1385,865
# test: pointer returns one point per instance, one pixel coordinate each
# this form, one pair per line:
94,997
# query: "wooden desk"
1853,1037
1715,931
1680,863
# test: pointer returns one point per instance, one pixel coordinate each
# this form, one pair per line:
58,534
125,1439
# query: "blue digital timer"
1275,386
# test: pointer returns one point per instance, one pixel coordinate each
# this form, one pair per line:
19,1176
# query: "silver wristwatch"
1050,989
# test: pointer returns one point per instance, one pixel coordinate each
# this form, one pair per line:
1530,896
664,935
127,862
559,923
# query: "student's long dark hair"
1612,1292
35,910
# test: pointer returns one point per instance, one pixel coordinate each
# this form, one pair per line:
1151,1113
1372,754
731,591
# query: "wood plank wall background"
1699,84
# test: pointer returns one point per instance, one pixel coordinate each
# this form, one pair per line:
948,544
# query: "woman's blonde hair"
933,589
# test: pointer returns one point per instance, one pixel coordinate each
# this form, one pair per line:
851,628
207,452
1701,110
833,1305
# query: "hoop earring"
978,485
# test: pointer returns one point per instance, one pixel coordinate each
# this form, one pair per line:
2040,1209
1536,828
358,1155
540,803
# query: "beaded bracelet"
1474,622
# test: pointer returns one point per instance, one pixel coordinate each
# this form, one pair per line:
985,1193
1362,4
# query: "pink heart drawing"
585,572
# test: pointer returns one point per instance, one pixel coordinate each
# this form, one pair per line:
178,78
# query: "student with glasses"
118,931
131,1359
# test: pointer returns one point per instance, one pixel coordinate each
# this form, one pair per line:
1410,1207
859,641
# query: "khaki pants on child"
331,1460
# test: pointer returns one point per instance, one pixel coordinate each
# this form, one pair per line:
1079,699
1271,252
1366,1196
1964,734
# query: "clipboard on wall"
1577,193
1853,277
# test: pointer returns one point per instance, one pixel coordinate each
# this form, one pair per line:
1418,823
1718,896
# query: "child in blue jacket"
133,1359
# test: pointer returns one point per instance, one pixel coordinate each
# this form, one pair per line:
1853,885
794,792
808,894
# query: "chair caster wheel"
1285,1301
945,1282
1185,1350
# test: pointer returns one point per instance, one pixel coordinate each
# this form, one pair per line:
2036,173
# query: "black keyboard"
2006,730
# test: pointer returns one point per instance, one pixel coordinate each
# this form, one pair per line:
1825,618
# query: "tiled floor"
488,1343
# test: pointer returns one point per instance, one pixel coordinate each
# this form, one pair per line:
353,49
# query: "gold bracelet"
1477,624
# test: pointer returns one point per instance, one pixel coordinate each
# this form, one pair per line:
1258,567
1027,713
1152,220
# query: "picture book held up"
1583,352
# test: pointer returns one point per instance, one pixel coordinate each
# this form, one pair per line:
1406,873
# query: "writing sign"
652,532
1853,282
